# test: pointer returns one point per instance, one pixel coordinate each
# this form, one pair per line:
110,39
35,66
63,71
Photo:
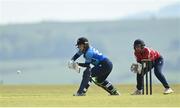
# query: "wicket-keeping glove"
136,68
74,65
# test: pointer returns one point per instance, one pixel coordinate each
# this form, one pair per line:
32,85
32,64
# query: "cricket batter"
102,67
141,53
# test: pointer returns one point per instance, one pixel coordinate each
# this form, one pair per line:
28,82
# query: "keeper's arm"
84,64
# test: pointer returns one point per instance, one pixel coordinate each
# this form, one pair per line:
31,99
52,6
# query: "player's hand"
136,68
70,64
74,65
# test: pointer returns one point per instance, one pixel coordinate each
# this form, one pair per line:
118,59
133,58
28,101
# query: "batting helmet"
139,41
82,40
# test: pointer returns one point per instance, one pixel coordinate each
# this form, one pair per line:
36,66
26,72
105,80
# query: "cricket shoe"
137,92
79,94
115,93
168,91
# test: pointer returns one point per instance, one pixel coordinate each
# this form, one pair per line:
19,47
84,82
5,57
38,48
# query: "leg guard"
86,87
106,86
85,83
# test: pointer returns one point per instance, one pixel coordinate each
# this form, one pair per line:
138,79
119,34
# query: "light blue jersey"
92,56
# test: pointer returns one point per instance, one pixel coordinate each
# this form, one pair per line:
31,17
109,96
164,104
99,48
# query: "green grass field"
61,95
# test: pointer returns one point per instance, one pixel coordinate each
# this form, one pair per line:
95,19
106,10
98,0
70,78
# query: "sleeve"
88,60
137,58
149,54
77,55
146,54
84,64
89,57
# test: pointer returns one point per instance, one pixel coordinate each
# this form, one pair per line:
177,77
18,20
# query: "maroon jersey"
146,53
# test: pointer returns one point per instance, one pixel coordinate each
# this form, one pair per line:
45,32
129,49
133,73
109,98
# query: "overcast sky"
26,11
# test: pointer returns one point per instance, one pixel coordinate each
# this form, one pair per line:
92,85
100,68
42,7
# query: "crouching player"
143,53
102,67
